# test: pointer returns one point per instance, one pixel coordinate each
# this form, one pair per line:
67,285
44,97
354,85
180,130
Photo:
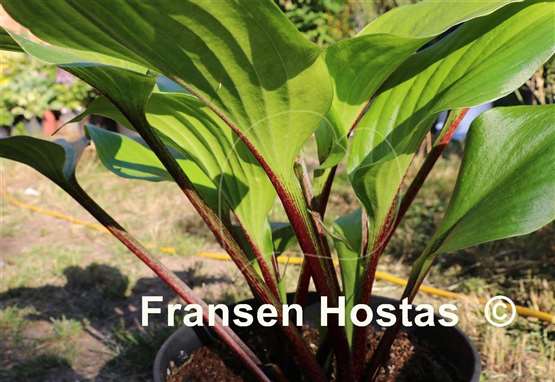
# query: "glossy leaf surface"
506,184
466,68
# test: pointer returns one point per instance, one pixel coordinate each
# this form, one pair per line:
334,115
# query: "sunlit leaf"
243,58
466,68
506,184
358,66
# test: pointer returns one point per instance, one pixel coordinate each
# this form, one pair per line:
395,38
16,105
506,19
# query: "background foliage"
28,88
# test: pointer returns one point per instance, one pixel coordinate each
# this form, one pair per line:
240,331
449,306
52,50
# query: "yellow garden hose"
294,260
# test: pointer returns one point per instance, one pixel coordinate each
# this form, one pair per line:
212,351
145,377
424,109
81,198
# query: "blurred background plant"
29,89
327,21
540,89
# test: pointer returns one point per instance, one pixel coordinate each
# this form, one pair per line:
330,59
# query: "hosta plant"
254,92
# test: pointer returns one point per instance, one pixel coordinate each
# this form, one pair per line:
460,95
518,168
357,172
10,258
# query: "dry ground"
70,296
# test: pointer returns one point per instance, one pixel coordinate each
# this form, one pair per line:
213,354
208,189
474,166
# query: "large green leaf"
126,89
506,184
432,17
482,60
200,135
207,148
224,172
241,57
61,55
131,158
358,66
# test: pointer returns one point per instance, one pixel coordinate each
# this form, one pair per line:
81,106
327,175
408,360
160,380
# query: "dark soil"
410,360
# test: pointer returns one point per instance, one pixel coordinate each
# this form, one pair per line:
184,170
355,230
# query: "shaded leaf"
7,42
283,237
55,160
126,157
347,240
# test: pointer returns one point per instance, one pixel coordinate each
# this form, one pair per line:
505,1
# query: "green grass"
37,266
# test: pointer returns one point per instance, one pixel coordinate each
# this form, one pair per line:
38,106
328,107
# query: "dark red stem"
227,336
360,333
319,204
270,275
324,276
305,357
230,245
425,170
392,224
389,227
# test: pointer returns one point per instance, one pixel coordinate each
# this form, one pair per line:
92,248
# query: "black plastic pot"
448,342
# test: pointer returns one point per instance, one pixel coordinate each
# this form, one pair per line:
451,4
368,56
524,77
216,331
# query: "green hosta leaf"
348,241
243,58
55,160
60,55
358,66
199,134
431,17
506,184
129,92
131,158
127,157
482,60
